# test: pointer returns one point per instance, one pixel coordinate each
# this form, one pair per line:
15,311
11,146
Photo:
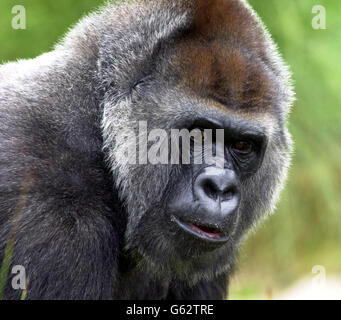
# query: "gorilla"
84,222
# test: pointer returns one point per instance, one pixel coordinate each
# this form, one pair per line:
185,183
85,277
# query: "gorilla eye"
243,147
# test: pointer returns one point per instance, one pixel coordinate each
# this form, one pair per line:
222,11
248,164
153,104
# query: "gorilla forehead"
230,76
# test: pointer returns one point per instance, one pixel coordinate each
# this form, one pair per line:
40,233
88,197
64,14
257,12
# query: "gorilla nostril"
210,189
228,194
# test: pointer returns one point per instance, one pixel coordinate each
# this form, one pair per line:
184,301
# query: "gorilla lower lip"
208,231
202,232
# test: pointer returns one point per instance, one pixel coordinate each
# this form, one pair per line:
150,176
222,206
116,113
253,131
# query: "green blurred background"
306,229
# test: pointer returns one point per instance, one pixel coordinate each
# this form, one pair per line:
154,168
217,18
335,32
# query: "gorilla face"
207,198
186,220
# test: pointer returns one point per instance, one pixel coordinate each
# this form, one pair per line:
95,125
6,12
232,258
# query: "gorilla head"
217,69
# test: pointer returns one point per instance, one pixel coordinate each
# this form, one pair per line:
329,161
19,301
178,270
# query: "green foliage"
306,229
46,21
5,265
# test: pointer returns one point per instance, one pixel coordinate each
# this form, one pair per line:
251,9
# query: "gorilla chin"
173,249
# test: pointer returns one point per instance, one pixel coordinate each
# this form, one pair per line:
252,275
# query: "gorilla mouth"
206,233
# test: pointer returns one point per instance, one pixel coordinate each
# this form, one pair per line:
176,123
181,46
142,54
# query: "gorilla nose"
217,190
